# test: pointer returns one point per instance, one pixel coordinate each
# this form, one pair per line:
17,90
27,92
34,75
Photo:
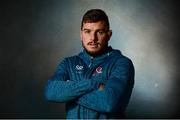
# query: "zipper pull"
89,65
91,62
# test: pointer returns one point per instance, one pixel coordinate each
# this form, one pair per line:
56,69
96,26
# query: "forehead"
94,25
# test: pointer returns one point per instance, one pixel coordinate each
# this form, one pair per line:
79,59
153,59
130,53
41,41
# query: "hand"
101,87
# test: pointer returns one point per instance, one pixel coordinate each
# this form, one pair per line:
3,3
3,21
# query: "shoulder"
121,59
125,59
66,62
70,59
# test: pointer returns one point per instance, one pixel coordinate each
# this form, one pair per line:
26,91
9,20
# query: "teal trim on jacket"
77,79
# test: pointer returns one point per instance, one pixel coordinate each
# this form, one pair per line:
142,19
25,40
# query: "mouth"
93,45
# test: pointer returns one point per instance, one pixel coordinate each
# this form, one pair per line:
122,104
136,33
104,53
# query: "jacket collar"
99,58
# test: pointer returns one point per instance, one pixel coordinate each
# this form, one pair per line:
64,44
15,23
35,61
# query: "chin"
93,52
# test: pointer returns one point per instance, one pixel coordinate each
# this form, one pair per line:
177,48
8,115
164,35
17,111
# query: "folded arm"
119,83
60,89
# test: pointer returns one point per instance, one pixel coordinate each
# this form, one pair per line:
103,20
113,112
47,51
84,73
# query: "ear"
109,34
81,32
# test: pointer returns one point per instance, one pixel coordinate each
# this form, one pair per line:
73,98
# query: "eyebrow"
96,30
86,29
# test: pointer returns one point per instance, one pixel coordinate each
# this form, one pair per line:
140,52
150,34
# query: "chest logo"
78,67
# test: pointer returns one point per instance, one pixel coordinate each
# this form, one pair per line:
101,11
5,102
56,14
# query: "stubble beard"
98,52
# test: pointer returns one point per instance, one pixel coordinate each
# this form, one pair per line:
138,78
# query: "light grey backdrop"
36,35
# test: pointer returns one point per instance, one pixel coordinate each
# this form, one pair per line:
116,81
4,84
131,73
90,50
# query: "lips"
93,44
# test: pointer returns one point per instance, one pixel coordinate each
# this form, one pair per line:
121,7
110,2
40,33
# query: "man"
96,83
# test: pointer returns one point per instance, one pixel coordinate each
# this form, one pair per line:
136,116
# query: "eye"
101,32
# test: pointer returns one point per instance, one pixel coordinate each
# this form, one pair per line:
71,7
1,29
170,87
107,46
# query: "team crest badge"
99,70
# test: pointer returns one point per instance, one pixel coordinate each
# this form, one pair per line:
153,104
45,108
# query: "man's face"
95,37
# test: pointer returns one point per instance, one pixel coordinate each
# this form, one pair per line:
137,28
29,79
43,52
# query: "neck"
105,50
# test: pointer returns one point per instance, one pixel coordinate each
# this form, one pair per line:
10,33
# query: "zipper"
91,62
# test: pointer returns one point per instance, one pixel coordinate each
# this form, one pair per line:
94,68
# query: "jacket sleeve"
60,89
119,84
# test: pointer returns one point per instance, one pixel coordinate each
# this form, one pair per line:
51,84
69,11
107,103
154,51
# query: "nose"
93,37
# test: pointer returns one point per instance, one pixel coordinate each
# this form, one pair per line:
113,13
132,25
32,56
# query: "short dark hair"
95,15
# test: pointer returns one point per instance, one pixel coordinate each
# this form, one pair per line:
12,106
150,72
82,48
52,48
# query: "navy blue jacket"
77,79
